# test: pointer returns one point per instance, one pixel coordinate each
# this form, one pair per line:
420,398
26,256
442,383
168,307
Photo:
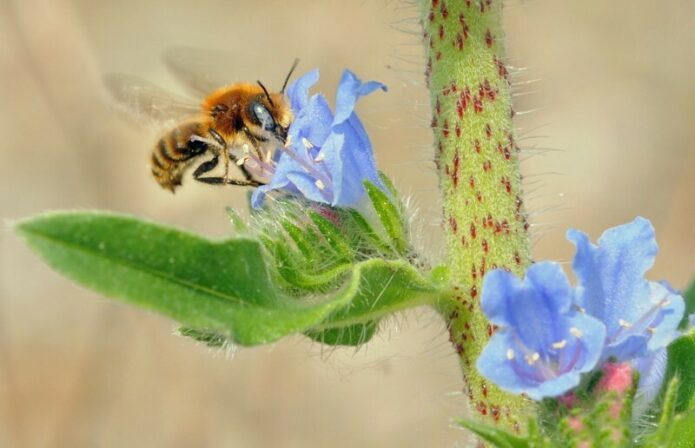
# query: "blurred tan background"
613,137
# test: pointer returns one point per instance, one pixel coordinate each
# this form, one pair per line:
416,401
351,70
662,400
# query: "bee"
239,124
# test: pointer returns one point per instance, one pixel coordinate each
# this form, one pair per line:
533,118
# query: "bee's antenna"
287,78
267,95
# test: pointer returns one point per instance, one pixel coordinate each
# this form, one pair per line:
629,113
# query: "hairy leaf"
214,288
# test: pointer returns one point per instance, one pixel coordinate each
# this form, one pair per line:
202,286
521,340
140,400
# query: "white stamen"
560,344
664,303
288,142
579,309
320,157
307,144
624,323
575,332
531,359
510,354
320,184
242,160
651,330
268,156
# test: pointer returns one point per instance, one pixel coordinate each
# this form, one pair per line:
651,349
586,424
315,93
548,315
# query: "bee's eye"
262,116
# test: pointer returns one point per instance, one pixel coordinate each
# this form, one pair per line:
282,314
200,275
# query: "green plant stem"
477,161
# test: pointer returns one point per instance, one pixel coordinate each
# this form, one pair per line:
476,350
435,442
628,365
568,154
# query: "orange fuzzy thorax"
228,108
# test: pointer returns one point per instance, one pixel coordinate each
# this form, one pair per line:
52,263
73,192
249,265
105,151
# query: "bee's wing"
141,97
203,70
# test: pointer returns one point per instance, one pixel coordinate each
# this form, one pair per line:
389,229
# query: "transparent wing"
141,97
203,70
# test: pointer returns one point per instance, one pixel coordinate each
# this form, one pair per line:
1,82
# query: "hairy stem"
478,165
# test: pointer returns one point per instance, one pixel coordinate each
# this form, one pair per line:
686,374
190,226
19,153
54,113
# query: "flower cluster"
551,333
327,157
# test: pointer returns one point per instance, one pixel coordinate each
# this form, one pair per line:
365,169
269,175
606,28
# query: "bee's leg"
242,167
208,166
223,181
256,141
205,167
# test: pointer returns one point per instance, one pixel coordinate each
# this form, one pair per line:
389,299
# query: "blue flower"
543,343
328,156
640,316
618,313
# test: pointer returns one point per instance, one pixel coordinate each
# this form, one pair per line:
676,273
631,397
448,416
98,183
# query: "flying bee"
240,123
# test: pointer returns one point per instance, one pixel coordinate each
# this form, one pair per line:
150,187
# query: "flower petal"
612,284
543,344
298,91
671,306
349,90
307,186
312,122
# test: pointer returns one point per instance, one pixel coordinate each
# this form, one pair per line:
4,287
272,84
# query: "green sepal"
366,230
238,223
390,216
352,335
494,435
207,337
334,237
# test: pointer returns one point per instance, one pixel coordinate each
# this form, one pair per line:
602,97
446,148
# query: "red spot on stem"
453,224
444,10
455,174
489,40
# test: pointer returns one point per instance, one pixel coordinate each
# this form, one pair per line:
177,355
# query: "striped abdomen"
173,152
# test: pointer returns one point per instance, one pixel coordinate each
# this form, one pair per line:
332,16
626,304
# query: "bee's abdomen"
167,162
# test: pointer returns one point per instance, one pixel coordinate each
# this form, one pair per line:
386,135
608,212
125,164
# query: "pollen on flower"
532,358
576,333
307,144
623,323
560,345
320,157
510,354
320,185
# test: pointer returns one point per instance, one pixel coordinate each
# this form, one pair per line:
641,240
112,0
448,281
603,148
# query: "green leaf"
494,435
681,359
391,286
689,297
215,289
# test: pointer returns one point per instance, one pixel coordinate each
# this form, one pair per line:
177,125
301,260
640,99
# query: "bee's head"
271,113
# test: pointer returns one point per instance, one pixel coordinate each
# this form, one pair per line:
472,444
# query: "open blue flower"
543,343
640,316
328,156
